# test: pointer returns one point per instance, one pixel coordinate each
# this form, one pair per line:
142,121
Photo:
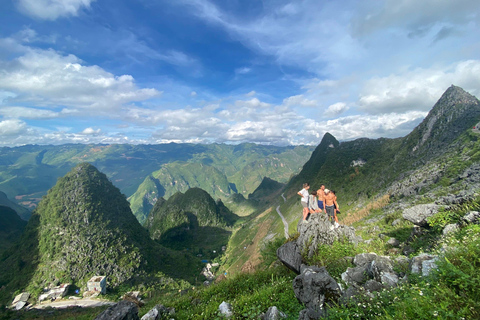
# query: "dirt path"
73,303
285,223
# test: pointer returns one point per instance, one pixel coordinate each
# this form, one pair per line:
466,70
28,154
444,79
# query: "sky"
229,71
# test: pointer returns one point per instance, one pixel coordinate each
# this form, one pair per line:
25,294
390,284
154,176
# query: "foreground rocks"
124,310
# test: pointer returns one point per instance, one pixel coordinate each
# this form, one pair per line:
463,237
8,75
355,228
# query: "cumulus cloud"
52,9
336,109
299,101
48,79
90,131
417,89
12,127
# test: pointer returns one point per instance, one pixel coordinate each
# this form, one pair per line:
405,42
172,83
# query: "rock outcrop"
124,310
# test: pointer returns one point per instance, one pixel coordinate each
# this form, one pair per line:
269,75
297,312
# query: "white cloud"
27,113
251,94
299,101
52,9
48,79
12,127
336,109
193,94
417,89
90,131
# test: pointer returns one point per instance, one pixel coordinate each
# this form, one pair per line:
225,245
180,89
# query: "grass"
357,215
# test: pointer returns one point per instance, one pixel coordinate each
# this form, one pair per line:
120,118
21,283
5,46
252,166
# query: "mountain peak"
454,112
455,95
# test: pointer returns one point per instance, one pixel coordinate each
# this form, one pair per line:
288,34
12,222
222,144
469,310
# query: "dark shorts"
320,204
330,211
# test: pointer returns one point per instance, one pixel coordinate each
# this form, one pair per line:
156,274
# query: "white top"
304,195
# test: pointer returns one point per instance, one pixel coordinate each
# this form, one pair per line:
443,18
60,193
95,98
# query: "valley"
236,205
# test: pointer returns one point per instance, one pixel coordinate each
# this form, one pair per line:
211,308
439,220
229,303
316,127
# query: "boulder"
226,309
419,214
273,314
124,310
473,217
363,259
315,288
393,242
158,312
449,228
320,231
355,276
289,254
416,264
373,286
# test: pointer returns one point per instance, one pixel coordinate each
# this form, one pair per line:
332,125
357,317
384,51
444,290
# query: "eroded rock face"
289,254
419,214
423,263
318,230
315,288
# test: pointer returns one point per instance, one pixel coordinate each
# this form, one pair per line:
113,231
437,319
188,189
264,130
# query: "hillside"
439,156
192,221
223,172
28,172
84,227
23,212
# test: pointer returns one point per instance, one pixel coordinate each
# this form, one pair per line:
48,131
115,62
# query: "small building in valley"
97,284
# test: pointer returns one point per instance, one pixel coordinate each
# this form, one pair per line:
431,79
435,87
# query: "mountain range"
85,212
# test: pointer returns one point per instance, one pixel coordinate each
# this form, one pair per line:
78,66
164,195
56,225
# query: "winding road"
285,223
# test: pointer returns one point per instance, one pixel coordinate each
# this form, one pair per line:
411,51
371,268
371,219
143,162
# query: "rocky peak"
454,112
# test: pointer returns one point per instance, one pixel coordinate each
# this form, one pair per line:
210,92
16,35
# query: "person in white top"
304,194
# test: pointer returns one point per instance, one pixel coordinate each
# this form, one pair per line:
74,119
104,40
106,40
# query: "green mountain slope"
28,172
191,220
84,227
430,160
23,212
222,171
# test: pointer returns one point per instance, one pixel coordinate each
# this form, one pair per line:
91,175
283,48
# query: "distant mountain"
23,212
28,172
223,171
191,220
84,227
11,227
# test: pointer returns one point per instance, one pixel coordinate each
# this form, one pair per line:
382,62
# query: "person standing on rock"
321,198
304,194
336,209
330,204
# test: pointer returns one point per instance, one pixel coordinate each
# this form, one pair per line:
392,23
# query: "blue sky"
270,72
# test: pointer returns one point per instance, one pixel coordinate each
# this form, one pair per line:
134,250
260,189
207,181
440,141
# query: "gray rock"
274,314
124,310
320,231
416,263
473,217
289,254
315,288
449,228
389,279
373,286
379,266
419,214
393,242
363,259
428,266
355,276
158,312
226,309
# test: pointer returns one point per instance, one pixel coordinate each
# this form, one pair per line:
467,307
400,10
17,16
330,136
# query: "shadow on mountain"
19,263
206,241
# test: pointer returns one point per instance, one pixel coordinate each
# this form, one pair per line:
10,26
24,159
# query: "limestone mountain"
440,155
84,227
190,219
11,227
